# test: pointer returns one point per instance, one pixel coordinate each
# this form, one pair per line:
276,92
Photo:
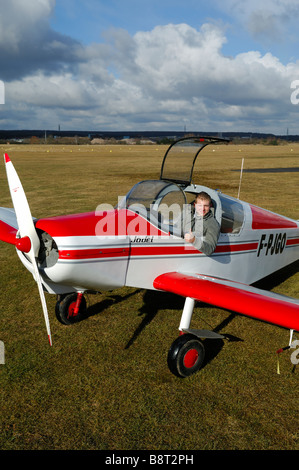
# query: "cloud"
28,44
267,21
162,78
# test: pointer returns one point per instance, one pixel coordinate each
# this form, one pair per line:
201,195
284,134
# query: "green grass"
105,383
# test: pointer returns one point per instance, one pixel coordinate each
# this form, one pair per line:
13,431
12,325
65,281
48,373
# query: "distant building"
98,141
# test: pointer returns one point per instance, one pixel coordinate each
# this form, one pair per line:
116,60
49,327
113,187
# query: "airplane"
140,243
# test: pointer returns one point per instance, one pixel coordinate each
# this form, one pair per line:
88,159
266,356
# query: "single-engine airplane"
140,243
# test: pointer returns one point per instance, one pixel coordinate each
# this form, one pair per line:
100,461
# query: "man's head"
203,203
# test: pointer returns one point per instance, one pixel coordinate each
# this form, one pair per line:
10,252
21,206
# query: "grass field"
105,384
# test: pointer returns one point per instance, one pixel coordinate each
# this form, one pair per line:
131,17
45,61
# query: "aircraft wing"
230,295
9,229
8,225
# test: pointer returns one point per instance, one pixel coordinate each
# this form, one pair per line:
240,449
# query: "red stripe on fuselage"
235,248
148,251
93,253
293,241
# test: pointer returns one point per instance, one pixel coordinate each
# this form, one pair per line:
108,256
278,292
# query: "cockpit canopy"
161,202
152,193
179,159
168,201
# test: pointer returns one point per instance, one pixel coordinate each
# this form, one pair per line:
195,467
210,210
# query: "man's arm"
210,239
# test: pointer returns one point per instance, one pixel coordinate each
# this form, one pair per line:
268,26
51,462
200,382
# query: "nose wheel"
186,355
71,308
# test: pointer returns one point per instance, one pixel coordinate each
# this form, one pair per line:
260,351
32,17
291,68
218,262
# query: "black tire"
65,309
186,355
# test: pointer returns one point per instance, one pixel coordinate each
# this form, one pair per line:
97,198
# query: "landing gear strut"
71,308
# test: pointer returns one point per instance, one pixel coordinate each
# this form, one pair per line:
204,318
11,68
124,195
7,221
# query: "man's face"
202,207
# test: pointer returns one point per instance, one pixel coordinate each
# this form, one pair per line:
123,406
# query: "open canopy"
179,160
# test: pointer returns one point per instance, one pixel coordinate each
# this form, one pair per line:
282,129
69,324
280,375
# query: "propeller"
26,230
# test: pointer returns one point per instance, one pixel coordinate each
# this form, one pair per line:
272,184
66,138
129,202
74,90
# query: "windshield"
161,202
232,215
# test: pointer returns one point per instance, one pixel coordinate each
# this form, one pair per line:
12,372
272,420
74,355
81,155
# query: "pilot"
202,229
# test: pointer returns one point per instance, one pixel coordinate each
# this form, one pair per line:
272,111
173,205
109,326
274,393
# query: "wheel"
186,355
65,309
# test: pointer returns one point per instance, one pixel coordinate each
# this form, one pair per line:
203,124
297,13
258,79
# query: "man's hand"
189,237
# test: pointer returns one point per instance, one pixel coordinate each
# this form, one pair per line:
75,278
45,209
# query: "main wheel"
186,355
65,309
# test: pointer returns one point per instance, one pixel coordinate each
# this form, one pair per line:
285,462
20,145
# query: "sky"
219,66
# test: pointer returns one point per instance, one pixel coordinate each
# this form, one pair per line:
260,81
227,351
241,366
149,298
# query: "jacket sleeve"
208,242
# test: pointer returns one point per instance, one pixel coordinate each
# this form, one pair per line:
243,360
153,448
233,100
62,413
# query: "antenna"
241,174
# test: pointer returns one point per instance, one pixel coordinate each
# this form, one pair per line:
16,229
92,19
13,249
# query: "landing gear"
71,308
186,355
187,352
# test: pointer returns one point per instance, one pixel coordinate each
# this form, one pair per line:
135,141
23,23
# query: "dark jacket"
206,231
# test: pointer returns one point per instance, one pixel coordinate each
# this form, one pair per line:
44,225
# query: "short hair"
204,196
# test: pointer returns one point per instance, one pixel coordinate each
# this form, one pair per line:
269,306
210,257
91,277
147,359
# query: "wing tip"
6,158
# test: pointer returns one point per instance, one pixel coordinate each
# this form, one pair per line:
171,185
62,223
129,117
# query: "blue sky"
224,65
87,21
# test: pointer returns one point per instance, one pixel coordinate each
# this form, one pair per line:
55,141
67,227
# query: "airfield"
105,384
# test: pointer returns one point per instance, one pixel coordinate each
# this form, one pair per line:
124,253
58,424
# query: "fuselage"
109,249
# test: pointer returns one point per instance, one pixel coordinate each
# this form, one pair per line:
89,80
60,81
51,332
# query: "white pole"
241,174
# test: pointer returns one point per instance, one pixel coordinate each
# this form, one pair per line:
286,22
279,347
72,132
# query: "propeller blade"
21,206
26,229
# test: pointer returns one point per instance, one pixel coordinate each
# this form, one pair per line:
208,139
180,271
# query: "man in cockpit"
202,229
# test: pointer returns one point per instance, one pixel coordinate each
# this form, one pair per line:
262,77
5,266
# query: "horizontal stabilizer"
241,298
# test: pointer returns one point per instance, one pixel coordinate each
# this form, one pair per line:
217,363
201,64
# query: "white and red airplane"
140,244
